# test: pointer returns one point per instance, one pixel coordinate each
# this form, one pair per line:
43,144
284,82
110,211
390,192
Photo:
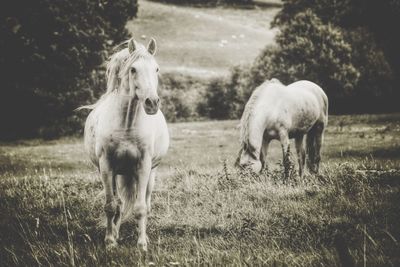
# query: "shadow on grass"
377,153
264,4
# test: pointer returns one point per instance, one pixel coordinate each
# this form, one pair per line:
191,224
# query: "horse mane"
248,113
117,69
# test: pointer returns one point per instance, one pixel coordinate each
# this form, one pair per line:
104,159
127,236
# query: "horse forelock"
119,65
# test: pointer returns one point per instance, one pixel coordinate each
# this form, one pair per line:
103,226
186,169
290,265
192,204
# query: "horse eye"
158,69
133,70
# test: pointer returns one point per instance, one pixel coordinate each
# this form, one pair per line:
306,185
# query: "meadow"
206,212
203,41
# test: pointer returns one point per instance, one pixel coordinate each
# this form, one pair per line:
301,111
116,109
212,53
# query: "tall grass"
205,212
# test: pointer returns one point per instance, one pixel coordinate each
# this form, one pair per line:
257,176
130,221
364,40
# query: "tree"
310,49
370,27
51,53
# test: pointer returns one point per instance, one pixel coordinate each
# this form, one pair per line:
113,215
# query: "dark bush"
369,27
309,49
337,46
207,2
179,96
51,53
306,49
225,98
217,100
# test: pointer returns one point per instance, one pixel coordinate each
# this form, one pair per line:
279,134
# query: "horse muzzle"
254,167
151,105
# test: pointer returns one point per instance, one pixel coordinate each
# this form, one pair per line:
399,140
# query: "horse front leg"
140,207
264,152
121,182
150,187
110,207
284,139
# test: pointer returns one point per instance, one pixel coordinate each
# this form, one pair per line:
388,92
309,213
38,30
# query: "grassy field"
206,212
203,41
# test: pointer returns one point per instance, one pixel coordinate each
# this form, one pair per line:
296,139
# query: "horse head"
247,159
138,74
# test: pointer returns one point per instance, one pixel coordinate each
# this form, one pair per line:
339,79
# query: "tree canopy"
50,53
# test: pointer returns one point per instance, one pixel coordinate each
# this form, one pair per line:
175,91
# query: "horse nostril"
147,102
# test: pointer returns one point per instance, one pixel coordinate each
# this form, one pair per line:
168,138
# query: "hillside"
203,41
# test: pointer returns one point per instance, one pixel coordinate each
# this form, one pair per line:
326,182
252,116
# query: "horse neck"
131,113
251,136
128,111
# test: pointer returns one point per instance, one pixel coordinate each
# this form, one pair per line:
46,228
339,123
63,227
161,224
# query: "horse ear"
152,46
132,46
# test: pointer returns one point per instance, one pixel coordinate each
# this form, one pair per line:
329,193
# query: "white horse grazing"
126,136
276,111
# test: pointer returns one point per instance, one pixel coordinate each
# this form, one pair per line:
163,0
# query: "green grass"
205,212
190,38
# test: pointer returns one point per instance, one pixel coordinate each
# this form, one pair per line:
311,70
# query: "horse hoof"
110,243
142,246
116,235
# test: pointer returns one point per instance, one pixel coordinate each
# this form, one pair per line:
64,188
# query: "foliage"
218,98
305,49
336,46
179,96
225,97
376,74
309,49
52,50
208,2
369,27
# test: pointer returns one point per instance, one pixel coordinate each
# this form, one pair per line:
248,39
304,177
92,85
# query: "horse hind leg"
318,146
314,144
301,154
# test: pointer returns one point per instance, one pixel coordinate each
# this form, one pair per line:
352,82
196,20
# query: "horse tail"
126,188
90,107
93,106
127,192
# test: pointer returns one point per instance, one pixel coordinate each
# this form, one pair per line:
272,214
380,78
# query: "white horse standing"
126,136
276,111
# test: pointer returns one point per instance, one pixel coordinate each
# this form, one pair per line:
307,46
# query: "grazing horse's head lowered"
278,112
247,159
136,74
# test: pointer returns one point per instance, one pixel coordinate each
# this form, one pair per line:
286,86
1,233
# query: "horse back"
312,97
295,108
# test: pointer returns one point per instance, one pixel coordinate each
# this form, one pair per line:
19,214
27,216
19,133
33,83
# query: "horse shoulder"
162,139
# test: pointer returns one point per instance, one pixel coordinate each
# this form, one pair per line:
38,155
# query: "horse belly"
90,137
304,119
161,138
